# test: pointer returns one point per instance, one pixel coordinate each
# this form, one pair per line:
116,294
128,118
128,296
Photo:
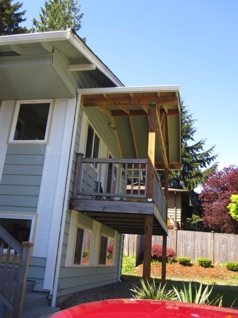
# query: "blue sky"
189,43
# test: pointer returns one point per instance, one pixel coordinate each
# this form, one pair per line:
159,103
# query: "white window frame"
15,119
23,216
113,254
81,226
89,124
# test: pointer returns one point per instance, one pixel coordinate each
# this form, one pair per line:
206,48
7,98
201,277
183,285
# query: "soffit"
129,109
24,75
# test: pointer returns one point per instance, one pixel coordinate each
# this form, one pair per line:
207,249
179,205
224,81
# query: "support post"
147,247
164,246
150,192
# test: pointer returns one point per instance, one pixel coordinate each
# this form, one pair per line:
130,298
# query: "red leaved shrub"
156,252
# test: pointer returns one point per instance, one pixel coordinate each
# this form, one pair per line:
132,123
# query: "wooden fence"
220,248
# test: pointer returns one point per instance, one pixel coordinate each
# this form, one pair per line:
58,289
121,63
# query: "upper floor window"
31,121
92,147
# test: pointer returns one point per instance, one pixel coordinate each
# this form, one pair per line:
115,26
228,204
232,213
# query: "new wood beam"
92,101
161,139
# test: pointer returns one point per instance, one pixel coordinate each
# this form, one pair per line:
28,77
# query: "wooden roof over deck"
128,109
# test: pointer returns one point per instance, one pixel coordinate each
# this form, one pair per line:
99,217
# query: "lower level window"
106,250
82,248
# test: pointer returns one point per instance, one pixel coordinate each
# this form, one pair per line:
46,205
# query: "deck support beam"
150,192
164,246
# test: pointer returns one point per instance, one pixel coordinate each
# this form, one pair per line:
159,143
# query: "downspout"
65,205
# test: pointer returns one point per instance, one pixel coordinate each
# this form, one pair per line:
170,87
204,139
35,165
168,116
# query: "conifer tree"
11,18
59,15
196,162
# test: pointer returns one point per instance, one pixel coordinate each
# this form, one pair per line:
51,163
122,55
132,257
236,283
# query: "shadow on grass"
229,293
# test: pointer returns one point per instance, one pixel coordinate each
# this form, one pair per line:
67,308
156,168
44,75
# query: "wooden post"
163,270
21,282
164,247
147,247
150,192
212,247
78,171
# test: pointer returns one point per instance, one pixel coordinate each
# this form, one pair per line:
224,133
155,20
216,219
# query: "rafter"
161,139
90,101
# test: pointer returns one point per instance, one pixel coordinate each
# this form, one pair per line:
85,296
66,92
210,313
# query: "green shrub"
85,253
151,291
196,295
232,266
185,261
204,262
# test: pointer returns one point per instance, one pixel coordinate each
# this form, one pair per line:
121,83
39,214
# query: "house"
178,207
71,137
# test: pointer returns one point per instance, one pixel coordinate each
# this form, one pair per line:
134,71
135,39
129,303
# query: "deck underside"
126,217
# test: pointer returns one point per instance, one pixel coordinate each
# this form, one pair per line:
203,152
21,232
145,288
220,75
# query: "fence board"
220,248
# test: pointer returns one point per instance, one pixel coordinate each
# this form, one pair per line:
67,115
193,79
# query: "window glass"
106,250
32,121
18,228
82,247
92,147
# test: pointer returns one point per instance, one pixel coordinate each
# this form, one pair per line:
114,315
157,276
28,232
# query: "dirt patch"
175,271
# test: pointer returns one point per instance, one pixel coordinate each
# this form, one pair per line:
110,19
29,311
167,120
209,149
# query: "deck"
115,192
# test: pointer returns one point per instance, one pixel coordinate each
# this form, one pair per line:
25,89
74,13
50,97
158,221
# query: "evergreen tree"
59,15
196,162
11,17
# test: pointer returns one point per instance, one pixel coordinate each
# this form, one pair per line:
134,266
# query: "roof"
42,60
128,109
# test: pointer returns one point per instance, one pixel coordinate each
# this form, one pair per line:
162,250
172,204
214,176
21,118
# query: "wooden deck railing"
14,262
107,178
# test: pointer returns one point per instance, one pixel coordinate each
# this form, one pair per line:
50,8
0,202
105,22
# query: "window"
17,228
82,247
106,250
92,147
31,121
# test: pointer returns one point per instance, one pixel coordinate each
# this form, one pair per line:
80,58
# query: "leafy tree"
215,198
196,162
59,15
233,206
11,18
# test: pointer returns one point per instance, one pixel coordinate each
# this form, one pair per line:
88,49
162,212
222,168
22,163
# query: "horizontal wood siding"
36,272
100,121
73,279
20,183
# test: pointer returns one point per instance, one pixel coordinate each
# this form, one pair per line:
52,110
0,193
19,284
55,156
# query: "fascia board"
128,89
34,37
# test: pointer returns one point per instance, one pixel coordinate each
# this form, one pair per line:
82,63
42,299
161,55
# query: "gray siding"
36,272
100,121
73,279
20,183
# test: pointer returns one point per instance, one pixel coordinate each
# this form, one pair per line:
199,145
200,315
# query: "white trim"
23,216
65,203
82,67
6,113
15,119
78,220
60,173
129,89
